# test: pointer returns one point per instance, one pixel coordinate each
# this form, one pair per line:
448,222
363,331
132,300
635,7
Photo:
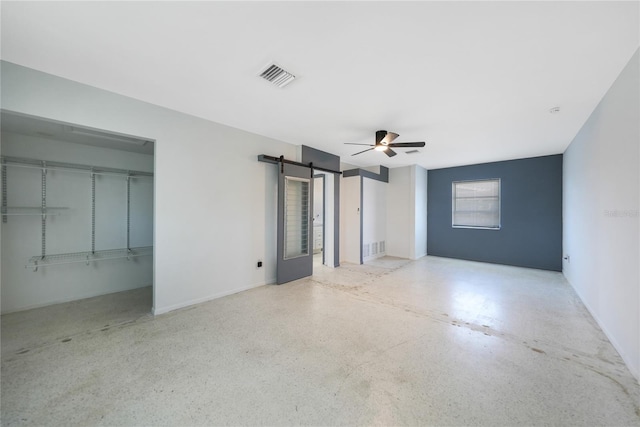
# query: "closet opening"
77,222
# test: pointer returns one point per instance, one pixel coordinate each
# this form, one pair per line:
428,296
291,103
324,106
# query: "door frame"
324,210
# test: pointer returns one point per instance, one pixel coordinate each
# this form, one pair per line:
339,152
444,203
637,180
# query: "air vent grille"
277,76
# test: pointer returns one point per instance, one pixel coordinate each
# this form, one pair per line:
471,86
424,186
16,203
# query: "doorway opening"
295,218
324,217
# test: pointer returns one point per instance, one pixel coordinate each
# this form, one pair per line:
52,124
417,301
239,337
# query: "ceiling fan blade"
355,143
364,151
407,144
389,138
389,152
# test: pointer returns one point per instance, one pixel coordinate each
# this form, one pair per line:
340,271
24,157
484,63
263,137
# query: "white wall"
347,166
350,219
600,214
407,212
399,213
318,201
374,217
419,192
214,202
71,232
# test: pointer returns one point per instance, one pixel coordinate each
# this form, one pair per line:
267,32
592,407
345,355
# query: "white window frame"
476,227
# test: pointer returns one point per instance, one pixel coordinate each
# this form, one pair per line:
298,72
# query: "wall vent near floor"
374,248
382,247
277,75
365,250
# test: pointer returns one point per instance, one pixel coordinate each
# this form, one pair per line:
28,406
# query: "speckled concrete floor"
428,342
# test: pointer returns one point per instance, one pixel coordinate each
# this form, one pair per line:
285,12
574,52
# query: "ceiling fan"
384,142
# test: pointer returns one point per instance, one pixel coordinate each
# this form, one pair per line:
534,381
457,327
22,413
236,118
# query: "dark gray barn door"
295,213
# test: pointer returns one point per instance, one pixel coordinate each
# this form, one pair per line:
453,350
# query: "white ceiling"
475,80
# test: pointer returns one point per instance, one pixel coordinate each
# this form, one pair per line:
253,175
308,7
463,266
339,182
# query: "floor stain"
606,360
104,329
537,350
622,387
66,340
23,351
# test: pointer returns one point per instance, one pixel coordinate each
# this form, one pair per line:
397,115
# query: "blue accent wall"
531,214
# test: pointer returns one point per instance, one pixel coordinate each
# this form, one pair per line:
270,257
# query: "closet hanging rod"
72,167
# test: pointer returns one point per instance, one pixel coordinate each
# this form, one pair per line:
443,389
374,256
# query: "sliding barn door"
295,212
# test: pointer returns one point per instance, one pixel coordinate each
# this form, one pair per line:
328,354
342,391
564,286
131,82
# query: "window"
296,217
476,204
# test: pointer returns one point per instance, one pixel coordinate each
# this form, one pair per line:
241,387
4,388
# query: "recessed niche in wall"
77,207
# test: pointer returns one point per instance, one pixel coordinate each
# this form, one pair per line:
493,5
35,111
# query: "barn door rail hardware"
281,160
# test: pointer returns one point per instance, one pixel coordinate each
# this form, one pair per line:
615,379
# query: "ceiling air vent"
412,151
277,75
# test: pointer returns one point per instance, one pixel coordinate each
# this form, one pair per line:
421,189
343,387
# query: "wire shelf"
36,262
33,211
71,167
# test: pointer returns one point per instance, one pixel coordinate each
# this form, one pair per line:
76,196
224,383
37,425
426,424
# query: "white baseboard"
162,310
627,360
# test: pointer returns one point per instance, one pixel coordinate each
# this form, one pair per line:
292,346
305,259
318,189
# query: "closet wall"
70,231
363,221
374,218
350,197
407,212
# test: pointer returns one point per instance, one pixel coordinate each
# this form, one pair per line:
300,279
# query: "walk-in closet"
77,214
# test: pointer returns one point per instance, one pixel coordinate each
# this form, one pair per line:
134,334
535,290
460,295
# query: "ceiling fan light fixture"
384,143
